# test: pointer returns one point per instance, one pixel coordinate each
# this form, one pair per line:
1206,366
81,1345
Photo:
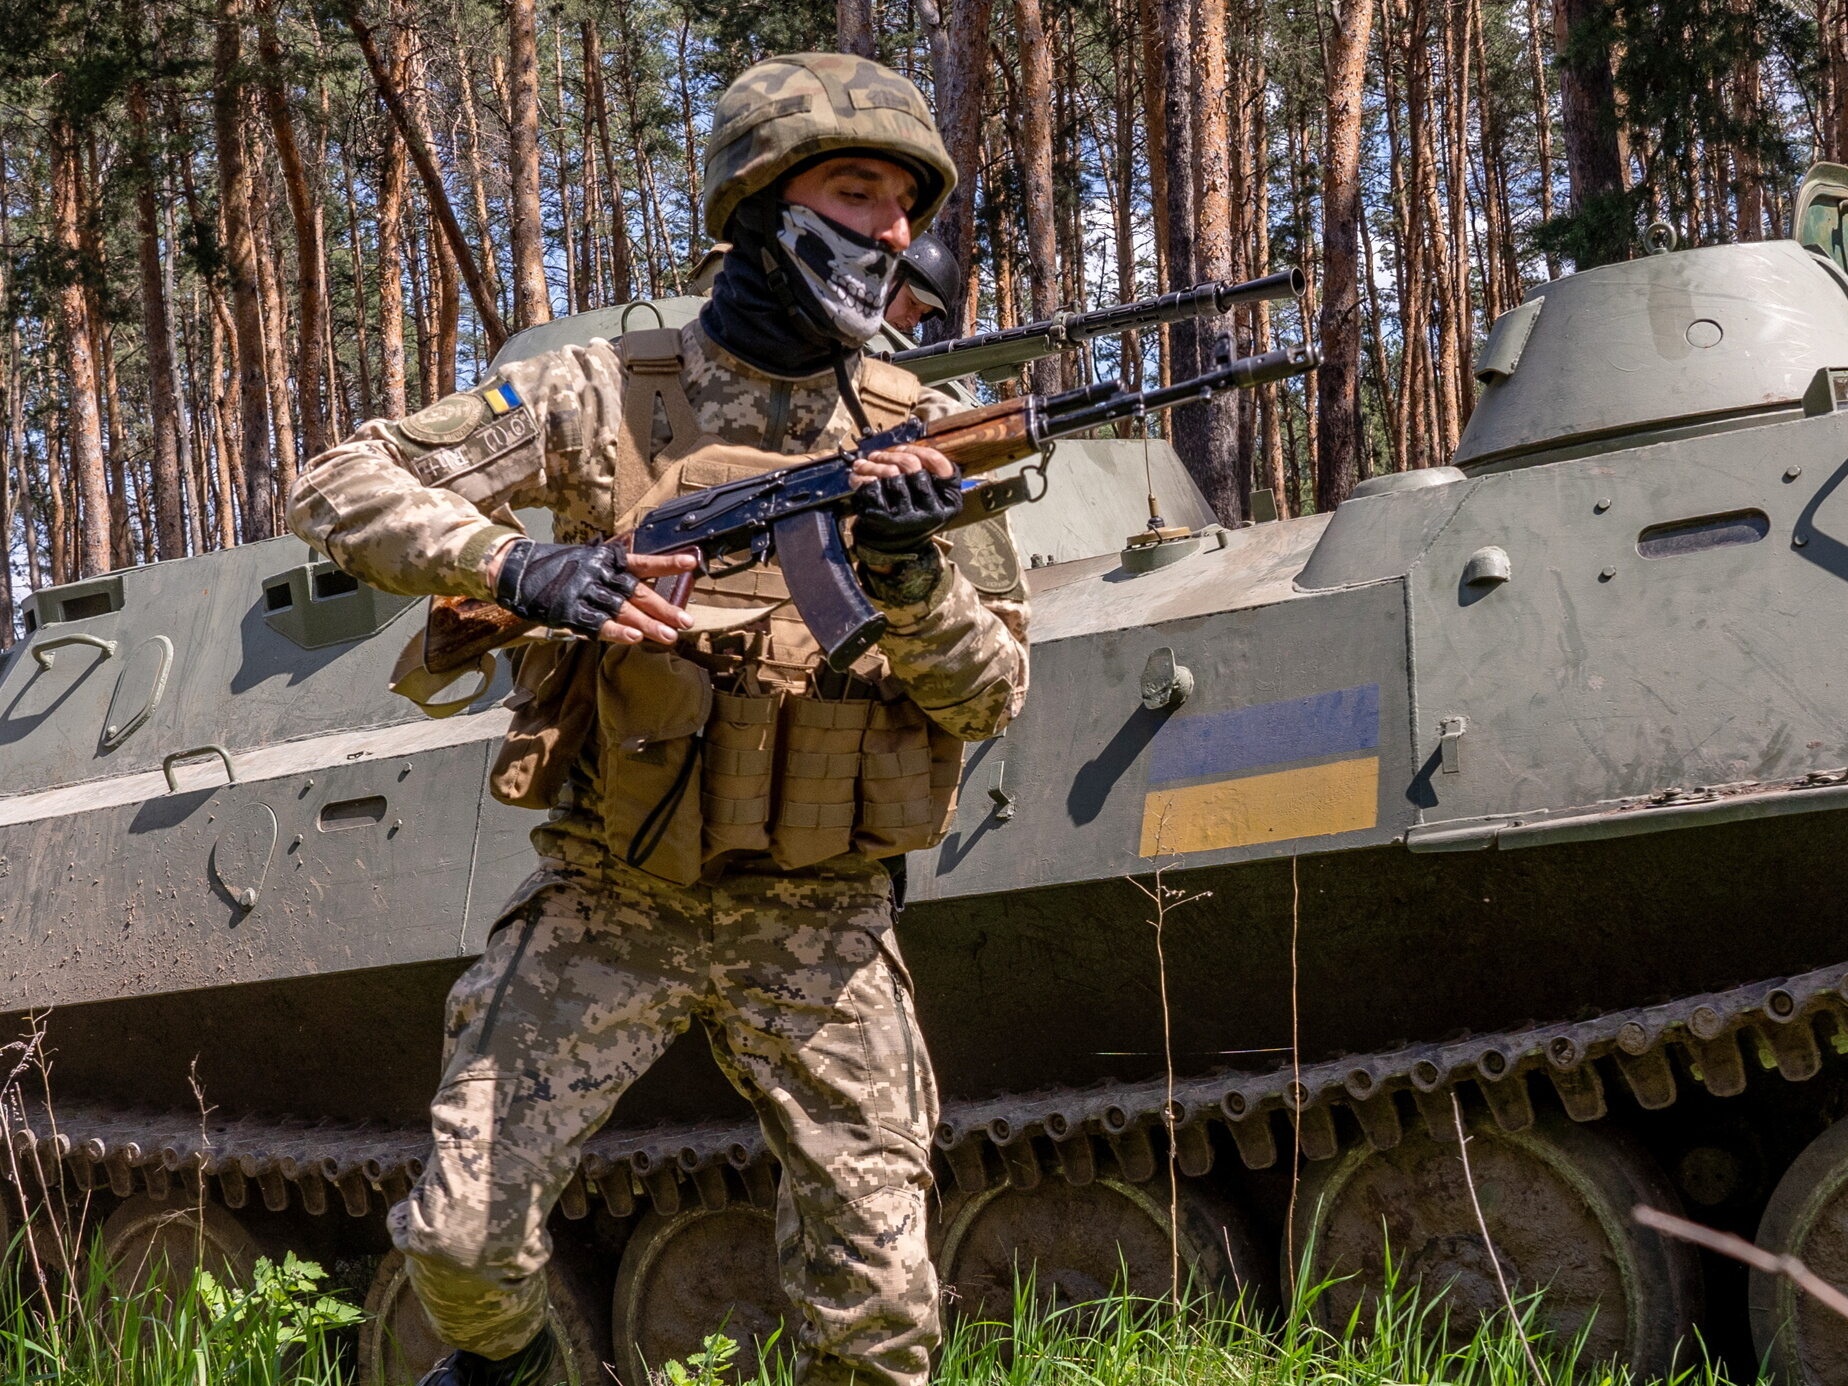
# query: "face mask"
846,277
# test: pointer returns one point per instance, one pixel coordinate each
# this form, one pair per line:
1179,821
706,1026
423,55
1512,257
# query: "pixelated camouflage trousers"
587,979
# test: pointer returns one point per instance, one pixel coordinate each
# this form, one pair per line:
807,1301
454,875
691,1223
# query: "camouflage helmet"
789,110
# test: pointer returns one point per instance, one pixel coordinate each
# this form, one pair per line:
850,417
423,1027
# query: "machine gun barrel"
998,354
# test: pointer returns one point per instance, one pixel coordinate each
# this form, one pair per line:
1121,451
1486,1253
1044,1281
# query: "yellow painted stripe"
1312,802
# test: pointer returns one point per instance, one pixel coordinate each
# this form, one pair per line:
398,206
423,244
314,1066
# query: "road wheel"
157,1246
1800,1340
397,1343
1081,1242
1557,1200
697,1272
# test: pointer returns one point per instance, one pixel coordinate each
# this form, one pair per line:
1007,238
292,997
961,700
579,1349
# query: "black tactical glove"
898,514
574,586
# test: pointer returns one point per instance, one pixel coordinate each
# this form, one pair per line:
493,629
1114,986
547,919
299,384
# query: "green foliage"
712,1365
280,1330
1601,231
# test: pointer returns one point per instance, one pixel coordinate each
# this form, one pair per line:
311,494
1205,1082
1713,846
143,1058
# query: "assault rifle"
997,355
793,513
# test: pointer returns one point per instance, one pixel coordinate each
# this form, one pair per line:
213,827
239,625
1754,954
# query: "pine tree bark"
1149,18
531,300
1337,383
1543,123
1187,425
1226,474
389,256
275,324
961,71
157,334
83,428
304,215
1588,112
259,480
1034,117
853,26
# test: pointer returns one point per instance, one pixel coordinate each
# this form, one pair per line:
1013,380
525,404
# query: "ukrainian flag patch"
502,398
1272,772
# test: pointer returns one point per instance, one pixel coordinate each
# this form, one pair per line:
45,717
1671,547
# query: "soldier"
720,804
927,279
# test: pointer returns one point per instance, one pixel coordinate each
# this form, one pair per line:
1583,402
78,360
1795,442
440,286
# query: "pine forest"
233,229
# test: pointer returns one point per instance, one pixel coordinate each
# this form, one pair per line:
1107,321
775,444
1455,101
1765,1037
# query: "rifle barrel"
1015,346
1243,373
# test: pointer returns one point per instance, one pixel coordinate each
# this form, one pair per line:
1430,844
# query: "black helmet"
931,271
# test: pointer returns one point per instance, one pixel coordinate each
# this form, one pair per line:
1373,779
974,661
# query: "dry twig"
1482,1223
1737,1248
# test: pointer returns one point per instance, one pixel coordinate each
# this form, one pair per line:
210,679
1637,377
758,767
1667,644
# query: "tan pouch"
738,772
895,798
818,771
553,701
651,708
946,765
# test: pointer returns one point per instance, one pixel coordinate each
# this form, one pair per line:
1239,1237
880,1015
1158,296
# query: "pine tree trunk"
1588,110
1337,383
259,479
83,430
531,300
1186,425
1543,124
304,215
157,336
1034,122
389,254
962,91
853,26
275,327
1149,18
477,181
622,272
57,484
1225,473
391,92
362,350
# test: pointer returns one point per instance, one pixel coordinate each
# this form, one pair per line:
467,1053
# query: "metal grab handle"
166,766
42,651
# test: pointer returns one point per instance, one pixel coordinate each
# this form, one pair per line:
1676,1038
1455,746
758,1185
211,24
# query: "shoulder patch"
984,552
447,421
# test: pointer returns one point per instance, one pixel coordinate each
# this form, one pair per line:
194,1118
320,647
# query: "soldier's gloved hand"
898,514
594,589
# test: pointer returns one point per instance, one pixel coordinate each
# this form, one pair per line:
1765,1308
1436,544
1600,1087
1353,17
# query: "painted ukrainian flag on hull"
1301,767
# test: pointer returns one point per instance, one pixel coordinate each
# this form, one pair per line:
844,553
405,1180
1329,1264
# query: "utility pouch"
895,782
818,764
737,772
651,707
553,702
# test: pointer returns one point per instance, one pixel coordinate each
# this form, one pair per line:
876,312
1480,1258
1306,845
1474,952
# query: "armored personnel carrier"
1504,802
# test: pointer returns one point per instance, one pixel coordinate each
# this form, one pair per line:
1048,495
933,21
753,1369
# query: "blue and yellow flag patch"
502,398
1301,767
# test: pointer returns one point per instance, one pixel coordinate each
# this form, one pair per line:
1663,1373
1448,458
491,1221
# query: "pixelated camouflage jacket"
418,505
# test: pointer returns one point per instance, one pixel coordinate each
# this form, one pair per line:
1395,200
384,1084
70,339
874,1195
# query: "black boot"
536,1364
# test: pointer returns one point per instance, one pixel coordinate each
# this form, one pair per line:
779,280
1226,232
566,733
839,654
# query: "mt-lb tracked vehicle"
1519,786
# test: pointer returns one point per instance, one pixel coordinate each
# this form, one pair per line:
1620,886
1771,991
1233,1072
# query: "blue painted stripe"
1244,739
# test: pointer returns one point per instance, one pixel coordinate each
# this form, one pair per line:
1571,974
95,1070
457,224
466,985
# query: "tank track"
1113,1130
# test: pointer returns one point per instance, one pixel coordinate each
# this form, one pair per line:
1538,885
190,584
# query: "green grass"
280,1330
284,1330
